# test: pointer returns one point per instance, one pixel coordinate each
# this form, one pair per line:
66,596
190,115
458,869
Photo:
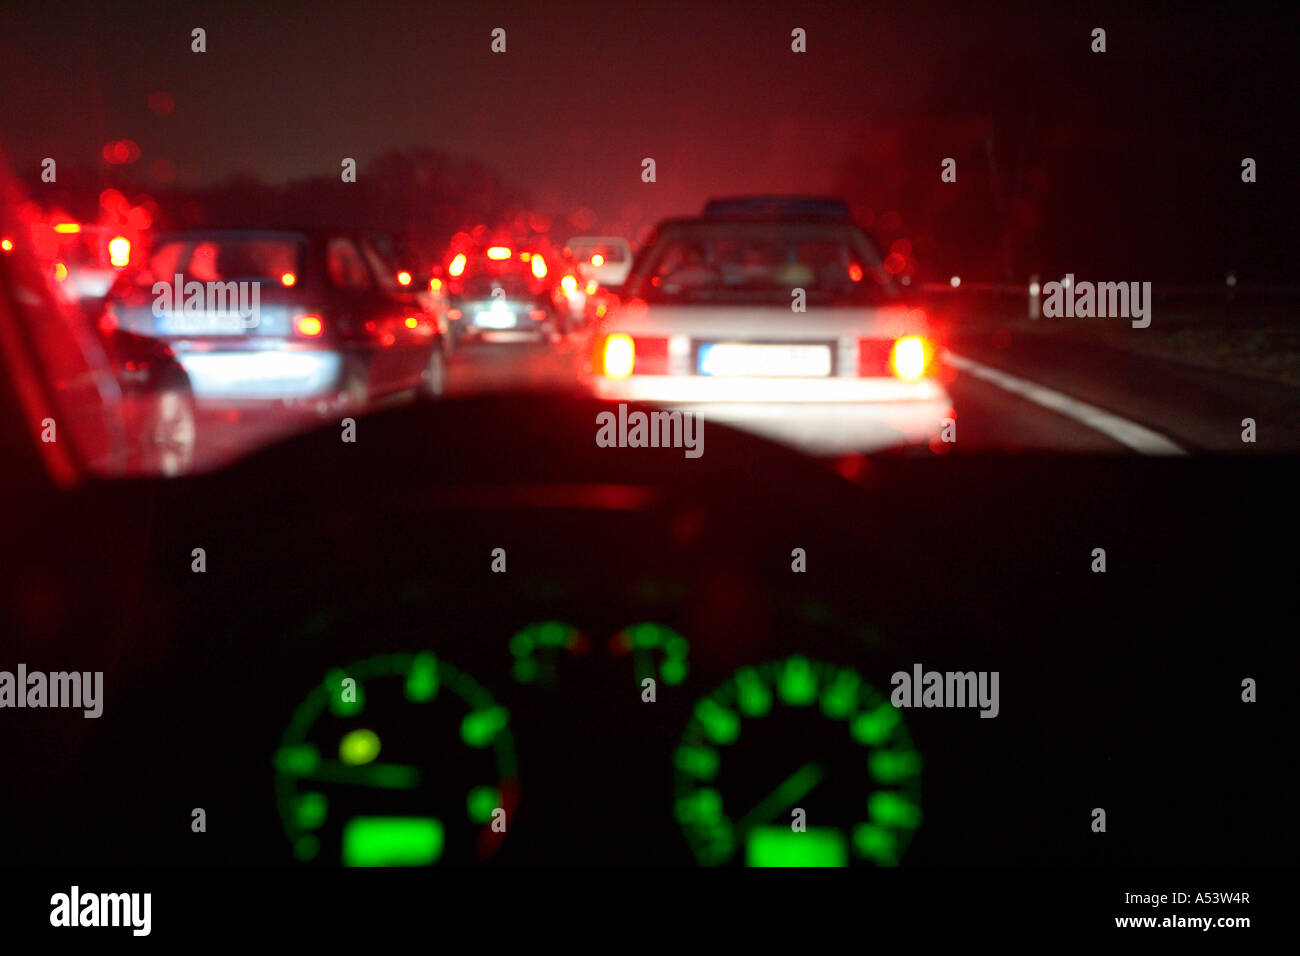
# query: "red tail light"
622,355
909,358
403,278
309,326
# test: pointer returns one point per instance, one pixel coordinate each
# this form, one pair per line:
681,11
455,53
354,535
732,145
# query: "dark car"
313,317
157,403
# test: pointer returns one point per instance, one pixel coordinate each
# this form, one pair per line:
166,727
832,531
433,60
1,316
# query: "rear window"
612,253
220,259
740,263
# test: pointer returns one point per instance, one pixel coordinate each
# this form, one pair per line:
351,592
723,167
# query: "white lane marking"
1130,434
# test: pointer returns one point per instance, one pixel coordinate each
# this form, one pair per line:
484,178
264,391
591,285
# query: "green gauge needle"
387,776
799,783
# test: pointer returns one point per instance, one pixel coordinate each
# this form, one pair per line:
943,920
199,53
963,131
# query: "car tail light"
453,314
403,278
7,244
873,357
308,325
435,284
498,253
537,315
539,267
457,265
67,228
119,252
412,322
288,279
598,260
568,283
618,356
911,358
622,355
60,271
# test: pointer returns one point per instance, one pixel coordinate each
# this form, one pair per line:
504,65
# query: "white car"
781,322
606,260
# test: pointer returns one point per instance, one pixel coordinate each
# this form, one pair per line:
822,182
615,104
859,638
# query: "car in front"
776,317
503,293
305,318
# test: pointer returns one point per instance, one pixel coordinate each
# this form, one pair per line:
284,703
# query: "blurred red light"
403,278
119,252
309,325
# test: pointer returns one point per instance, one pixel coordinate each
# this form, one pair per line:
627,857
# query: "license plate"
201,323
727,358
495,320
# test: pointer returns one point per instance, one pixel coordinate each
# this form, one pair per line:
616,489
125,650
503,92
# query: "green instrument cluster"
405,760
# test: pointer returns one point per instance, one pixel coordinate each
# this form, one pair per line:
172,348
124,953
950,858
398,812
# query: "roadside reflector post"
1035,291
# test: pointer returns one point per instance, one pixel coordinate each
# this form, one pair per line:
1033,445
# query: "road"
1029,394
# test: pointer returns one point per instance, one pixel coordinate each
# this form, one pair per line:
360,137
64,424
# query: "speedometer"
399,760
797,763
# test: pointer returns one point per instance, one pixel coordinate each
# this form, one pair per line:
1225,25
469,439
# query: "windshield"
753,263
888,270
213,259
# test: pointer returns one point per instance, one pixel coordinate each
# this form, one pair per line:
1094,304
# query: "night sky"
1155,128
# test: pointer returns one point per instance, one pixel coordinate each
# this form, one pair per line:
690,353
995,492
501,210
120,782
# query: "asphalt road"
1028,394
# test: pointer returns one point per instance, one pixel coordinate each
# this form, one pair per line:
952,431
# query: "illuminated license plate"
202,323
727,358
495,320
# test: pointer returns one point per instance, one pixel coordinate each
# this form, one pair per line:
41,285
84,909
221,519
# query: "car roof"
779,208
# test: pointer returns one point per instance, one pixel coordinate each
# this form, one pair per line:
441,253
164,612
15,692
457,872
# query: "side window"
387,275
346,267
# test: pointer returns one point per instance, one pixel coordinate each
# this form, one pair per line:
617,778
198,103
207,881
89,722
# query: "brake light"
119,252
911,357
412,322
403,278
453,314
537,315
7,245
619,356
598,260
498,253
67,228
309,325
568,283
457,265
625,355
60,271
539,267
288,279
855,272
435,284
592,287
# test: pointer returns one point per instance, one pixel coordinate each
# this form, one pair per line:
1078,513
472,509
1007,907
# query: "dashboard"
542,652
